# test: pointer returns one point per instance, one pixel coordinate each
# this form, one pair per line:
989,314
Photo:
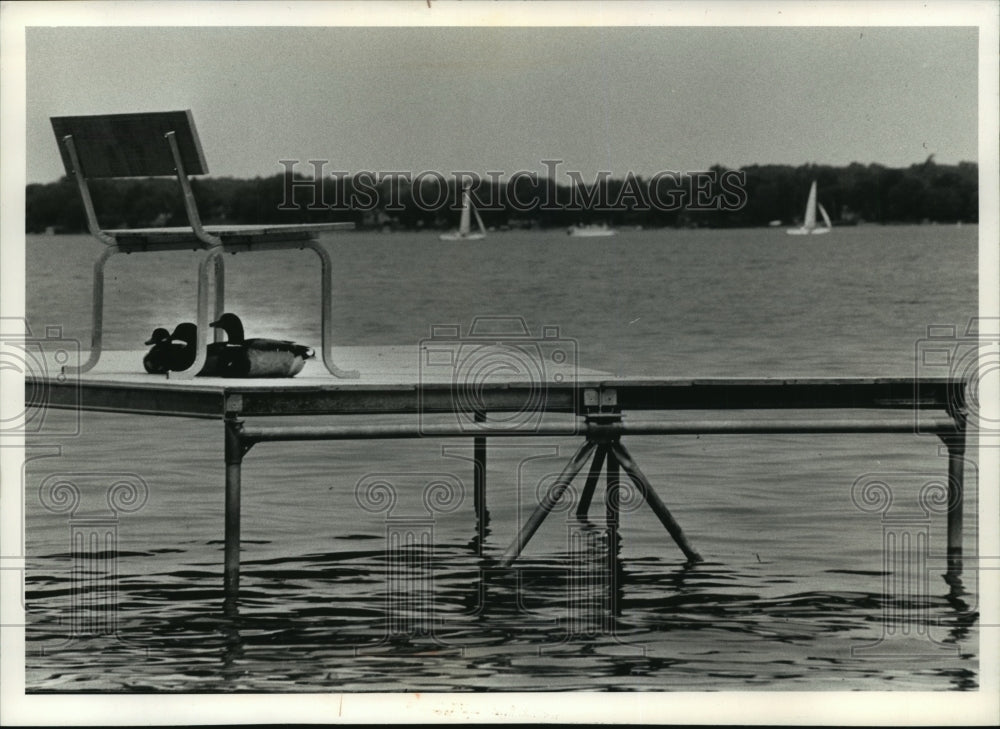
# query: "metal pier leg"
550,499
97,308
956,498
612,499
326,304
588,490
651,497
479,479
235,450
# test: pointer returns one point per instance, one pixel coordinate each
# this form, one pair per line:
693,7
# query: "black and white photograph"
482,361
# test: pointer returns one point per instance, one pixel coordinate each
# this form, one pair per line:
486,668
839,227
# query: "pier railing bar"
943,425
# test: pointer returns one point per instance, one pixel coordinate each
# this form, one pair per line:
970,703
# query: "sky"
482,99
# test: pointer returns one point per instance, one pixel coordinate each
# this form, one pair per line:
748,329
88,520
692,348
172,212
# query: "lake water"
798,587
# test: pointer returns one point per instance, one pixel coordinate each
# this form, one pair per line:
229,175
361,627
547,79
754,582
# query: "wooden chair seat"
186,236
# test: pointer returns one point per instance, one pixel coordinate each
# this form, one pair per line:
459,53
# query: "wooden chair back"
129,145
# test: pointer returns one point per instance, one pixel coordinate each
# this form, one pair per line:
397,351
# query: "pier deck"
557,401
393,381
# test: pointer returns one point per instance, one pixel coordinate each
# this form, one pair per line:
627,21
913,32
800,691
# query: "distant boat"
590,231
809,227
464,231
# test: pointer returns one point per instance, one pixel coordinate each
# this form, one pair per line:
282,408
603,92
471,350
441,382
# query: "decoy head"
159,336
232,326
185,332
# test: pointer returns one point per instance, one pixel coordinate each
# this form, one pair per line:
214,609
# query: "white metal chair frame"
213,240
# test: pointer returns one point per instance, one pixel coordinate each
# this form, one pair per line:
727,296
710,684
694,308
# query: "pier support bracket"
603,427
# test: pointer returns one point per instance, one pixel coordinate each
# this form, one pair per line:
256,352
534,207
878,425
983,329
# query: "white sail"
465,224
810,221
809,226
826,218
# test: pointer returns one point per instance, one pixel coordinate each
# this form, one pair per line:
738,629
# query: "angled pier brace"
587,494
655,503
548,502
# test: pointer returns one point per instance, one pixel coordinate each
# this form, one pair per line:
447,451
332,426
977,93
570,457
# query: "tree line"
757,195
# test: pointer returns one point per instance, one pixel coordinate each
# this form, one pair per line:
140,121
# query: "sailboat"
591,231
464,231
809,227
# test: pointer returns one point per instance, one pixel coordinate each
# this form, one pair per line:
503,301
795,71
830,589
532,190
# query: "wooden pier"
587,404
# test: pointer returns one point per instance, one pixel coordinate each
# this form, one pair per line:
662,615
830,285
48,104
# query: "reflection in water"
961,618
441,617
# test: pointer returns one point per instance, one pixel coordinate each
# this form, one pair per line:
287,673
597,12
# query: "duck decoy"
258,357
185,335
158,358
177,351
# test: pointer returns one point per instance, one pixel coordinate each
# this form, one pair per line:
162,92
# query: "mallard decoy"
258,357
177,351
158,358
185,335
